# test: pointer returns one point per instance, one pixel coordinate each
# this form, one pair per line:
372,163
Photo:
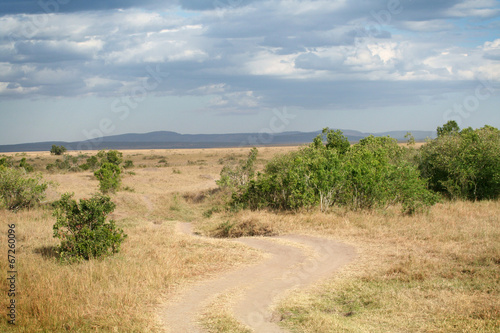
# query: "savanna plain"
435,271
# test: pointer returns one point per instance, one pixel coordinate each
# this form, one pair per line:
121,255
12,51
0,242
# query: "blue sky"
73,70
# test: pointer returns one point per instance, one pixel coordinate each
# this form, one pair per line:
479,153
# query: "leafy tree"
236,177
335,139
57,150
83,229
451,127
284,184
109,177
464,165
17,190
410,138
379,175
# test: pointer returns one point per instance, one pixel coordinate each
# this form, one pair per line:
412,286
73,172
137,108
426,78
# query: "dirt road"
294,261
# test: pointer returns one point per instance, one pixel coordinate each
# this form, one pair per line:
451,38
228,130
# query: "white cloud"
235,102
428,25
492,50
288,41
475,8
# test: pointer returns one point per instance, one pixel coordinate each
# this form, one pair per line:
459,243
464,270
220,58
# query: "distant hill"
172,140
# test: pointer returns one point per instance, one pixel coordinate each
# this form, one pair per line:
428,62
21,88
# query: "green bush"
377,174
451,127
334,140
234,178
57,150
128,164
6,161
92,163
112,156
374,173
463,164
109,176
17,190
83,229
25,165
286,183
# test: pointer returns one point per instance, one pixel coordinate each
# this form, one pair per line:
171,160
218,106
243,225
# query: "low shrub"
83,229
17,190
128,164
25,165
6,161
109,177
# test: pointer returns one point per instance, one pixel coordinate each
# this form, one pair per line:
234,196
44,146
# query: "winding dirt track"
298,261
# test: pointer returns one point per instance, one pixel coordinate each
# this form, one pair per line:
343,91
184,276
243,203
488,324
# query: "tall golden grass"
120,293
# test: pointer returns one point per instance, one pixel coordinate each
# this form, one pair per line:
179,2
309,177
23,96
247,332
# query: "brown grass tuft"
244,228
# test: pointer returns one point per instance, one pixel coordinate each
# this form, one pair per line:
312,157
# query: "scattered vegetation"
197,162
68,163
129,189
154,157
74,163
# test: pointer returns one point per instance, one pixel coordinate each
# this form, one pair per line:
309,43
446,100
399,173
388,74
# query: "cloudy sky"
74,69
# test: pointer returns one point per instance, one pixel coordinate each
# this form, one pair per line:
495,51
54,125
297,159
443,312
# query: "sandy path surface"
293,261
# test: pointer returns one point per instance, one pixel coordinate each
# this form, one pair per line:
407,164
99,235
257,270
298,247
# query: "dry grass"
217,316
247,227
437,272
120,293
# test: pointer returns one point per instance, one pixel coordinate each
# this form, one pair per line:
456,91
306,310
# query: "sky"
74,70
